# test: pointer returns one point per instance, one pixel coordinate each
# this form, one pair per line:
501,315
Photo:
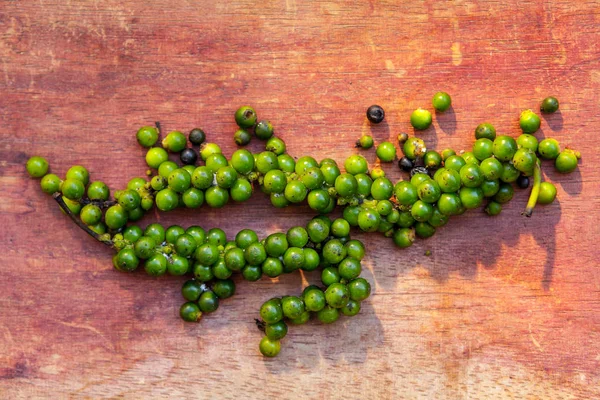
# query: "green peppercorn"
37,167
156,156
414,148
129,200
276,331
337,295
424,230
317,230
509,173
386,152
504,148
245,117
263,130
368,220
420,119
359,289
549,105
73,189
471,197
293,258
351,308
90,214
483,148
547,193
485,130
269,347
432,159
346,185
276,145
490,188
493,208
549,149
167,199
191,290
286,163
421,211
208,149
147,136
565,162
527,141
529,121
449,203
441,101
524,160
80,173
271,311
216,197
50,184
447,153
175,142
382,189
454,162
328,315
365,142
471,176
224,288
505,193
242,137
292,307
406,193
208,302
190,312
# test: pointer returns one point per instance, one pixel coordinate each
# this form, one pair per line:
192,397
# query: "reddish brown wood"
503,308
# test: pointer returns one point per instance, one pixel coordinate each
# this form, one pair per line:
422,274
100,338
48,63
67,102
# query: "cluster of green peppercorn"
441,185
211,259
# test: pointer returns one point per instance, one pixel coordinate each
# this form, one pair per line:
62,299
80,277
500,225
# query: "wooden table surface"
507,307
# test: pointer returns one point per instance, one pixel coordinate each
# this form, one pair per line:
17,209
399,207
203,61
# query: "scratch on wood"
535,342
89,328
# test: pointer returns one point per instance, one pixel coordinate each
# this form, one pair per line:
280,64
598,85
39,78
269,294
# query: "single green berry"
245,117
263,130
547,193
549,105
529,121
386,152
147,136
441,101
420,119
37,167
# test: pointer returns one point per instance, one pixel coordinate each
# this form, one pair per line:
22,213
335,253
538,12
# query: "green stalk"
535,189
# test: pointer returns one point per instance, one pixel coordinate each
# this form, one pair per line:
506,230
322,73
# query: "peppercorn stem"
535,189
100,203
59,199
260,324
158,128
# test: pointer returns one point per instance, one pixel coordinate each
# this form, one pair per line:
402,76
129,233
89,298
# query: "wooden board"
503,308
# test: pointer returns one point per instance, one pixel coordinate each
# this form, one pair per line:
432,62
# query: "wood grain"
503,308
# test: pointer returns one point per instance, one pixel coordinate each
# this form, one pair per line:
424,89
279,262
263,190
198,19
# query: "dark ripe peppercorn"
402,137
418,170
523,182
188,156
197,136
405,164
375,114
418,162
